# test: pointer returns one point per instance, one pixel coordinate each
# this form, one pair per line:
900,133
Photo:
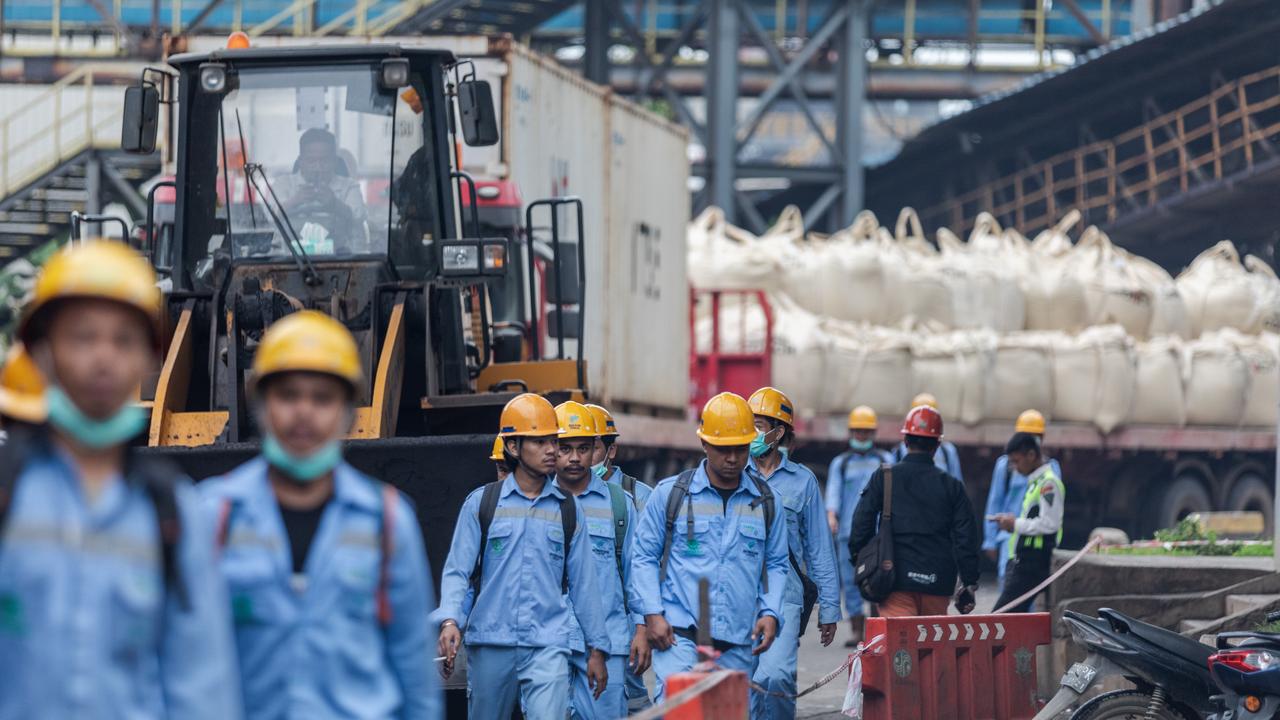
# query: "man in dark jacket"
935,536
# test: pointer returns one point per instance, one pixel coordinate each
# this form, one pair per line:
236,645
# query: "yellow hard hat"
726,421
772,402
97,270
1030,421
528,415
22,388
604,421
308,341
575,421
925,399
497,454
863,418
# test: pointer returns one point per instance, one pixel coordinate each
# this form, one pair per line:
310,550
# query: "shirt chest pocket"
555,541
498,544
136,599
751,538
601,532
695,543
252,585
356,571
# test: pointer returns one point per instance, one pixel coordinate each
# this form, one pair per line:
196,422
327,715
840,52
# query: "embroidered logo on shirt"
922,578
496,546
12,616
692,547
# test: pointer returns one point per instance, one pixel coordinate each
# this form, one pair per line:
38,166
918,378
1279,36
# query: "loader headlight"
213,78
473,257
393,73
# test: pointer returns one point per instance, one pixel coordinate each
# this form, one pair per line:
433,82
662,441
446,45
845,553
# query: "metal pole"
93,192
851,93
722,100
595,27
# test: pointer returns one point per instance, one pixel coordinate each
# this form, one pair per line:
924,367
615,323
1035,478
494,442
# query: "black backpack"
155,476
489,505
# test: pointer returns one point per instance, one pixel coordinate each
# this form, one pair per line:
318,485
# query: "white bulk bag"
868,366
1158,397
800,348
954,367
1114,290
1215,379
1261,357
1168,309
726,257
853,274
1266,295
996,259
921,285
742,324
1093,377
1054,297
1021,375
1218,291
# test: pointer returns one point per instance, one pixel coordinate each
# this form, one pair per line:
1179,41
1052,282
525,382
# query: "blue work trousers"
498,675
848,586
776,670
683,655
611,704
637,693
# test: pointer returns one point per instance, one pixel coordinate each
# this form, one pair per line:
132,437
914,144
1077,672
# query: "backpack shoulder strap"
678,492
569,526
223,530
488,506
846,457
618,503
13,456
629,484
766,500
157,479
886,511
387,546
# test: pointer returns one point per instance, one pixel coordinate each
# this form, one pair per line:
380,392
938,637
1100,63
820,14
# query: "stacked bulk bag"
1222,292
1266,294
1158,397
992,262
800,348
1261,357
860,291
868,366
1113,288
1094,377
1054,296
722,256
1021,374
954,367
1215,380
1168,308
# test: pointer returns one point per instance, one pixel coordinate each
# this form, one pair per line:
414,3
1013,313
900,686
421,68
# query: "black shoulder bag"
874,566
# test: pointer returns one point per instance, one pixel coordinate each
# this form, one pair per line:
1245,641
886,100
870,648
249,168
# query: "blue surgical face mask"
861,445
600,470
760,447
302,468
124,425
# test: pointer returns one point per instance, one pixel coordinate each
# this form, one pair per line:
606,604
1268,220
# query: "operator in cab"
111,604
324,202
330,587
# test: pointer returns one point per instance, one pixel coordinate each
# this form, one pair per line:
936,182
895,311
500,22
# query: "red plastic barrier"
728,700
961,667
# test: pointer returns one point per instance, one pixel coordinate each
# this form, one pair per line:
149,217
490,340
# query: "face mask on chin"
861,445
302,468
122,426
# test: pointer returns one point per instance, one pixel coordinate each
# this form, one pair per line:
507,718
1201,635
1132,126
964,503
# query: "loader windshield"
313,157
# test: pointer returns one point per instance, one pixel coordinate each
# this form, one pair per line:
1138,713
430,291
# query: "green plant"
1187,530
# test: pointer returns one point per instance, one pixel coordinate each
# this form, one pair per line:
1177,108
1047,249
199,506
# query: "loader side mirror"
141,119
478,118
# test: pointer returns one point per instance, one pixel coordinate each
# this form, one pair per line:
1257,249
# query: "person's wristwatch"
449,621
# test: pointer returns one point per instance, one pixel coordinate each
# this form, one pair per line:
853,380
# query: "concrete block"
1241,603
1235,524
1110,536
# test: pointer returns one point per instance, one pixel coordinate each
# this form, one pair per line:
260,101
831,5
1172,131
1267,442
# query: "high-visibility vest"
1032,499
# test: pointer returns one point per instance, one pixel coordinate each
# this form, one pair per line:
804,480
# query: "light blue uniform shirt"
314,647
946,458
1005,496
846,478
597,507
642,490
795,489
87,627
729,546
521,602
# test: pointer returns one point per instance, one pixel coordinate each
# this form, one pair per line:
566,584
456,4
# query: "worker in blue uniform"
812,556
330,588
610,513
603,466
722,525
519,548
111,605
1008,487
847,476
947,457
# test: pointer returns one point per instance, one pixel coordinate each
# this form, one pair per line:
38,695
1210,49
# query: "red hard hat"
923,421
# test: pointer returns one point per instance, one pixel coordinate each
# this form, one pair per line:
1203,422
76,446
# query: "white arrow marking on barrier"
937,633
924,633
999,631
968,632
985,631
955,632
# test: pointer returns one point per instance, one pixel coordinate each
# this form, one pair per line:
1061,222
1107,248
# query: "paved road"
816,661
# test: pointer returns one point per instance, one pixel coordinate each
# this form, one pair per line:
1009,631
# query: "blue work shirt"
642,490
87,627
795,489
597,506
729,546
314,647
847,476
1005,496
521,601
946,458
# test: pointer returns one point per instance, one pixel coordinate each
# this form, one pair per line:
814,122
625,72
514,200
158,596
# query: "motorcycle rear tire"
1125,705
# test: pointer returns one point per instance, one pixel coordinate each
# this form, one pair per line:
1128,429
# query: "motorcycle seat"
1166,640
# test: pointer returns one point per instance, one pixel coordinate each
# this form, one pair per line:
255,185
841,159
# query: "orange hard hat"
923,421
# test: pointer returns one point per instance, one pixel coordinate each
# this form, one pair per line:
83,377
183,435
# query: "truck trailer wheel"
1251,493
1185,495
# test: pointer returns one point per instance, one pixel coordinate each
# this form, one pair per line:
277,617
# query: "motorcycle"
1247,670
1170,672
